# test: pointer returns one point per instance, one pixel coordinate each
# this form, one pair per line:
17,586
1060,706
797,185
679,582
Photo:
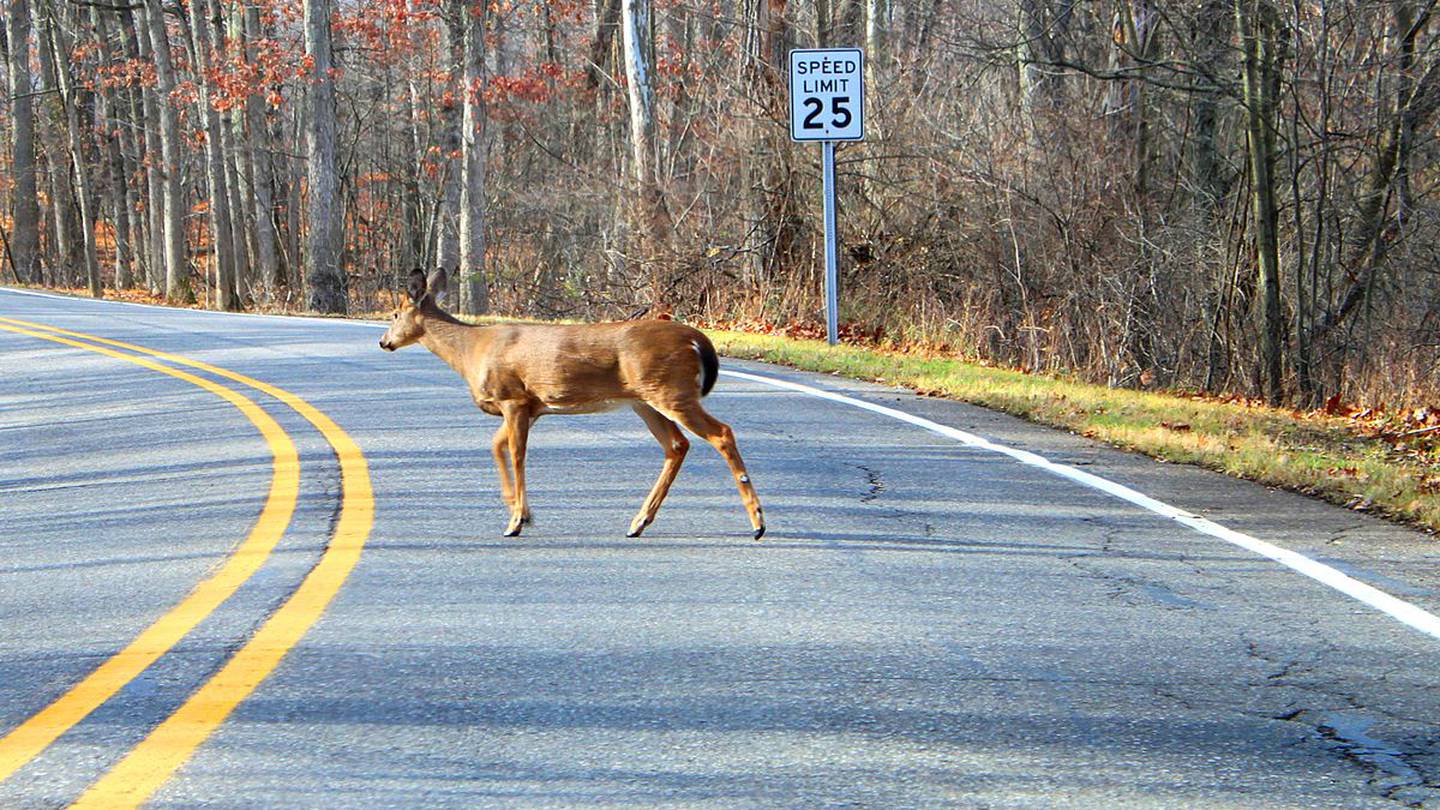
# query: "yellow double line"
141,772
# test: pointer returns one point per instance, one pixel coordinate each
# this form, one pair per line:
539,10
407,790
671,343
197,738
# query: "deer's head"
407,325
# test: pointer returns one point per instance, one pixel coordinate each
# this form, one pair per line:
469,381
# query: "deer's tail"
709,363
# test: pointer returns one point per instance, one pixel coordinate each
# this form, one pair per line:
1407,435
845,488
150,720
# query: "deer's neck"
451,341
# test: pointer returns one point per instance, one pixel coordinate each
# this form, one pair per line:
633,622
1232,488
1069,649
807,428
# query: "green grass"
1323,456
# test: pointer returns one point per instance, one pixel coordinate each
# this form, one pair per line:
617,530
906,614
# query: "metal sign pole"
832,306
827,104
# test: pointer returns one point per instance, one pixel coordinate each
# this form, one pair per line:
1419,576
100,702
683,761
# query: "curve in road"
27,740
170,744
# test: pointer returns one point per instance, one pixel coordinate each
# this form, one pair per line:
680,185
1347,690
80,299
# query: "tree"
25,206
651,226
177,271
324,277
59,46
262,175
474,295
447,231
1260,34
222,231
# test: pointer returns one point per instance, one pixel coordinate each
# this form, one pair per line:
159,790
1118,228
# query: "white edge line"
1404,612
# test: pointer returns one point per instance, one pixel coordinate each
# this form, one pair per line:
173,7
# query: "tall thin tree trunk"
415,218
325,278
607,21
69,97
234,159
1258,27
177,271
137,45
66,243
116,137
447,233
1213,25
636,32
475,293
25,210
221,230
771,193
263,183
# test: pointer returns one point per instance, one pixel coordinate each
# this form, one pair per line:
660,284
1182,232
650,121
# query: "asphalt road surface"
926,624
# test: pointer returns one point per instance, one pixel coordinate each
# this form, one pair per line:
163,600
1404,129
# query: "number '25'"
840,116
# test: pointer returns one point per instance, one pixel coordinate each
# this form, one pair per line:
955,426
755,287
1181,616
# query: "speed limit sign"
827,94
827,104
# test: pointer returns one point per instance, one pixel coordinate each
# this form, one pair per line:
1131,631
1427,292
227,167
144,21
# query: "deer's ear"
417,285
438,284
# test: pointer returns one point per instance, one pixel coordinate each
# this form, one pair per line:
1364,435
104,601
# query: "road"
926,623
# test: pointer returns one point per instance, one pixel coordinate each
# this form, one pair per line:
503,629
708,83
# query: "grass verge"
1343,460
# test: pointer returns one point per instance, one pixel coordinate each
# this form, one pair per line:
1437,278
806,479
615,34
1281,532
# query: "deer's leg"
517,426
695,418
675,445
500,447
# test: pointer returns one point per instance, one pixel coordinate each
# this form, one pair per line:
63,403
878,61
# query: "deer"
522,371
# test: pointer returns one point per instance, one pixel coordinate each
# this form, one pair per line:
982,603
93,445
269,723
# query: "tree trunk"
1259,38
447,234
324,277
177,272
25,211
66,243
1212,47
263,183
115,135
636,32
1042,31
1416,104
474,291
221,229
137,46
607,21
60,50
771,193
417,253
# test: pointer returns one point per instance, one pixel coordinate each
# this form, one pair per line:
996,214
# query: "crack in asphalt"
1342,725
874,483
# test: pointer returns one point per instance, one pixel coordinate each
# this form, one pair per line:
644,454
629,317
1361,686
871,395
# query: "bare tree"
474,296
1260,35
636,31
222,232
324,278
177,271
25,207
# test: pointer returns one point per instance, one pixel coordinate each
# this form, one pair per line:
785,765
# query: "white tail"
523,371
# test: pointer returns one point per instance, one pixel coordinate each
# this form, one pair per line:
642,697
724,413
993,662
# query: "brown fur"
523,371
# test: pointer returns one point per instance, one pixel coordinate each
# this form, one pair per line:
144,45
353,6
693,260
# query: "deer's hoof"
513,530
760,532
637,527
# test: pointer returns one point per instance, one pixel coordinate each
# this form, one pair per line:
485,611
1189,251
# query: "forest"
1234,197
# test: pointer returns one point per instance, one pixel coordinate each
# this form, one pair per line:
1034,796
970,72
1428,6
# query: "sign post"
827,104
